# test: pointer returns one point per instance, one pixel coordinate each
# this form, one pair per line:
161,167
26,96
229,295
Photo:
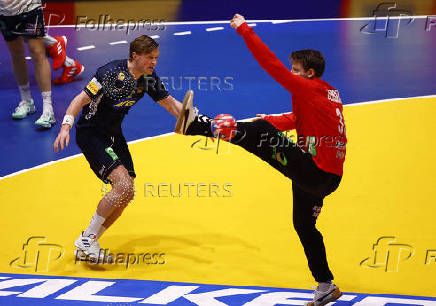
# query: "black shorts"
28,24
104,152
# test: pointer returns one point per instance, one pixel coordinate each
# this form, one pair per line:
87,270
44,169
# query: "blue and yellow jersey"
114,91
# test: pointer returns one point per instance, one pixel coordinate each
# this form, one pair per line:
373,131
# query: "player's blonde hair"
142,45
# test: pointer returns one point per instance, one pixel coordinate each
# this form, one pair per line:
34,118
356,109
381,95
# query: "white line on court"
214,29
281,21
172,133
85,48
154,36
182,33
118,42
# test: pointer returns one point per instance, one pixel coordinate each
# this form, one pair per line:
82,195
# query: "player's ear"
310,73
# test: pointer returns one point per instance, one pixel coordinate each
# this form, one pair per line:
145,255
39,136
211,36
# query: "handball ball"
224,126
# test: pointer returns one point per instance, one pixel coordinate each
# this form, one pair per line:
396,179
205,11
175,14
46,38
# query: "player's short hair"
142,45
310,59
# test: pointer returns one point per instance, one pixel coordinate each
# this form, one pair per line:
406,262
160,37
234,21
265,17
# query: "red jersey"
316,108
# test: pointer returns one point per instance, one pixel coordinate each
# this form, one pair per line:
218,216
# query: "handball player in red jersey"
314,163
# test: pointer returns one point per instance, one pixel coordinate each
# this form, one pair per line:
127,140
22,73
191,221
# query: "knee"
124,188
37,55
18,57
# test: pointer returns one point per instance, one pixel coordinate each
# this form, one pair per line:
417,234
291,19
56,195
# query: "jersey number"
341,125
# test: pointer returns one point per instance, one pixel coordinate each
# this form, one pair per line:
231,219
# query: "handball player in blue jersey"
105,101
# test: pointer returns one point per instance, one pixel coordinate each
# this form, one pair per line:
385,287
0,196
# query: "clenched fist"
237,21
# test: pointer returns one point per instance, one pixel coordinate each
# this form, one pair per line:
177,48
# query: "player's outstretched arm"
173,106
282,122
266,58
72,111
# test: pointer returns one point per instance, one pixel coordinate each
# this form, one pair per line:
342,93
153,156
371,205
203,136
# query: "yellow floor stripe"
241,234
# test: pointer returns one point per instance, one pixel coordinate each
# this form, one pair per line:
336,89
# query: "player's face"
145,63
297,69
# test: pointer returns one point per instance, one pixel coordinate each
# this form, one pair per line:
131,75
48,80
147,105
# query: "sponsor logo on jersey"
111,153
94,86
333,95
126,103
121,76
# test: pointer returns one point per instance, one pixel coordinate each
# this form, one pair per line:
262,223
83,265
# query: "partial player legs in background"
42,75
72,69
43,78
21,73
56,49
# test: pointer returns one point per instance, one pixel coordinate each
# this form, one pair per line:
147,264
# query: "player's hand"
259,116
63,138
237,21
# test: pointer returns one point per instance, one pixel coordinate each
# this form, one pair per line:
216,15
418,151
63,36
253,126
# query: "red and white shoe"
57,51
69,73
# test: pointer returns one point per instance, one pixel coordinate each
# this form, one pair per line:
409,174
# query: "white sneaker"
23,109
187,114
88,248
325,297
46,120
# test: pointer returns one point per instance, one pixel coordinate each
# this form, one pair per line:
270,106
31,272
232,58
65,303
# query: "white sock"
25,92
49,40
46,102
324,286
101,230
95,224
69,62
